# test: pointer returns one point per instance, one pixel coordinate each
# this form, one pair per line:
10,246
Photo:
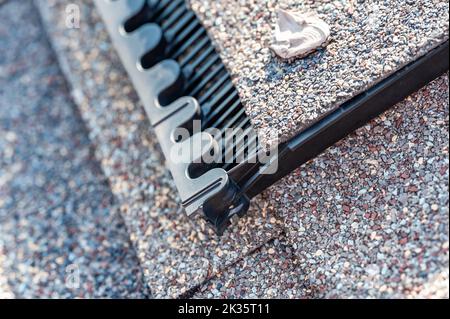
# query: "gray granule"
368,218
61,235
369,41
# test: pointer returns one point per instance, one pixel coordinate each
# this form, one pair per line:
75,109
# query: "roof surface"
369,217
369,41
57,213
366,219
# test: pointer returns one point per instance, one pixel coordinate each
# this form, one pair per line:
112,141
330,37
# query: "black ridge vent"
180,78
185,40
164,38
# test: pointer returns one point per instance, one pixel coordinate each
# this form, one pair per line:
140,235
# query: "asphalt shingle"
369,218
369,41
61,235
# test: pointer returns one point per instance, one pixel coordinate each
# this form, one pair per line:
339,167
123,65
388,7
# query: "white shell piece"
298,34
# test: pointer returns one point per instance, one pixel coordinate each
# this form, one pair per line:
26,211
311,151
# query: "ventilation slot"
206,78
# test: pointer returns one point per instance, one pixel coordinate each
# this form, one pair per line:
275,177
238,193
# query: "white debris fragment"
298,34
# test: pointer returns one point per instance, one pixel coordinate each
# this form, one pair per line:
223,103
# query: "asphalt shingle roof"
369,217
369,41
